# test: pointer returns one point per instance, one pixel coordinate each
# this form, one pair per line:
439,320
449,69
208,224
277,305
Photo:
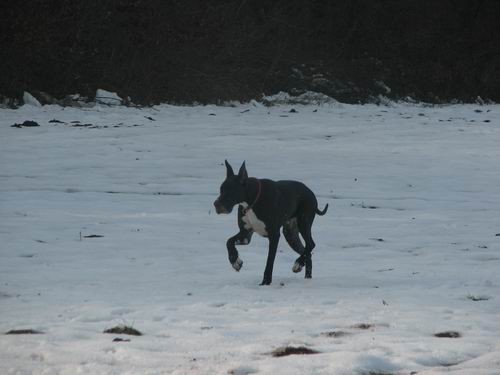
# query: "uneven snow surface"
410,246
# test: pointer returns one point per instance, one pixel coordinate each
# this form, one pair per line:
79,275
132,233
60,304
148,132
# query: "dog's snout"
219,207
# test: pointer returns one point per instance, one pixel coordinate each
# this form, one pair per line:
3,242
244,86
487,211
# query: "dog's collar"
259,190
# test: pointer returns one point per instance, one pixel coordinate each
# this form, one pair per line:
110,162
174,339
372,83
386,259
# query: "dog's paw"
237,264
297,267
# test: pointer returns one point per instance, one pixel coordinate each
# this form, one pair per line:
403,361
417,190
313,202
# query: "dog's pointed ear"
242,174
229,169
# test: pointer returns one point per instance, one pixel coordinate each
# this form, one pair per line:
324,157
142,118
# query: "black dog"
264,207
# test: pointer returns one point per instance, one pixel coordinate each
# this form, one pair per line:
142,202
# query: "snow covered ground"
410,246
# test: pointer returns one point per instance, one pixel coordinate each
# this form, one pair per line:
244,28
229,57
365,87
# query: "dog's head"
232,190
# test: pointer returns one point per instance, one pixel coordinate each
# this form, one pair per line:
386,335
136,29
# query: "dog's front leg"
232,253
274,238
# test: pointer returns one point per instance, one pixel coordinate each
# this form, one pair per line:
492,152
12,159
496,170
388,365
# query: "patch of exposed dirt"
123,330
24,332
26,124
448,334
292,350
119,339
363,326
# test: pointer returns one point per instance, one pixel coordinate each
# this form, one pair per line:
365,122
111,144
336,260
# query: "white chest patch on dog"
252,222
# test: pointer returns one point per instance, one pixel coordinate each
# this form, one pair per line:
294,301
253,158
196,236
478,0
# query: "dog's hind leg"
291,233
305,223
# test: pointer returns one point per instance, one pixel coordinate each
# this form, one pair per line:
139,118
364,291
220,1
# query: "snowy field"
410,246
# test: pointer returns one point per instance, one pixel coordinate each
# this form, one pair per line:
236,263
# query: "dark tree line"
212,50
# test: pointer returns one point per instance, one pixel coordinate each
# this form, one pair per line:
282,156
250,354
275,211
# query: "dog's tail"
321,213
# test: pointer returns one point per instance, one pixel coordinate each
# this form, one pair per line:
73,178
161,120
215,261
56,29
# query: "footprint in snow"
335,334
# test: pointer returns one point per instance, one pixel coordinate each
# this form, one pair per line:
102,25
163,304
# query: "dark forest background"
210,51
